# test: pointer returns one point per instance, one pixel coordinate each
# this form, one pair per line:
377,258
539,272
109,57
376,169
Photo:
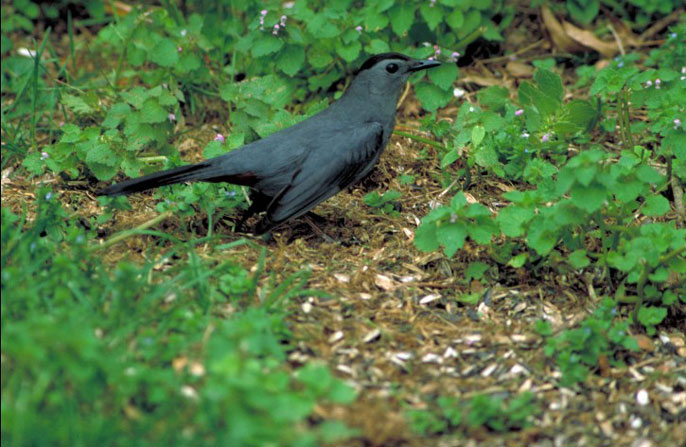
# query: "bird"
291,171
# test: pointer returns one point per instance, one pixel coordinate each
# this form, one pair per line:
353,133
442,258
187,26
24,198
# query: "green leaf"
589,198
319,57
321,28
165,53
578,259
425,236
402,17
214,149
431,96
266,44
432,13
449,158
291,59
349,52
102,161
656,206
478,134
651,316
152,112
455,19
116,115
550,84
444,75
451,236
377,46
513,219
518,260
76,104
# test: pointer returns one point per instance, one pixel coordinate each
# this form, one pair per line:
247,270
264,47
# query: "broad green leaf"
444,75
165,53
266,44
291,59
402,17
451,236
656,206
432,14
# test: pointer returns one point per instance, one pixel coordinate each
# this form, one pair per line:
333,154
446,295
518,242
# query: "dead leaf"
519,69
560,38
589,39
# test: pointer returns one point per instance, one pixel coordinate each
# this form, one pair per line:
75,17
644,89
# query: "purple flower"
276,29
519,112
171,117
263,12
220,138
525,135
545,137
649,83
179,49
283,20
657,83
44,155
677,124
358,28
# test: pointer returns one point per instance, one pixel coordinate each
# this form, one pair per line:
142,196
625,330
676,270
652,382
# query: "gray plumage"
293,170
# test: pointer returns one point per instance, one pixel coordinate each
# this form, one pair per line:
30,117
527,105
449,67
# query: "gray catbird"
293,170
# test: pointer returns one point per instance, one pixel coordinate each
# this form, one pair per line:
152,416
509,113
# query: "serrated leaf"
451,236
455,19
165,53
291,59
518,260
550,84
266,44
116,115
349,52
425,237
402,17
152,112
656,206
376,46
102,161
444,75
431,96
319,57
513,219
432,14
214,149
589,198
76,104
578,259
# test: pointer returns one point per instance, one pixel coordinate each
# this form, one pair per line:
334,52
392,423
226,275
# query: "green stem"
152,159
132,232
420,139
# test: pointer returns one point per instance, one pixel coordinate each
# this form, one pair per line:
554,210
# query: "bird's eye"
392,68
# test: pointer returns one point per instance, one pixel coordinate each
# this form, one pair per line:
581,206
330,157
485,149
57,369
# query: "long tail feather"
200,171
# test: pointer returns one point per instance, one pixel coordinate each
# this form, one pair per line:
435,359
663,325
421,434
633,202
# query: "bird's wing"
327,171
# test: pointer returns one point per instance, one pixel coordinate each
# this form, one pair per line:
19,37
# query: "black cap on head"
369,63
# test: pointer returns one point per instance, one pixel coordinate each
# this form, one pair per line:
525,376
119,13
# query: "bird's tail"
203,171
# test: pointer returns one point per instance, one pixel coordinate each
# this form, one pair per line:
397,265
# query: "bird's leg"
259,203
307,217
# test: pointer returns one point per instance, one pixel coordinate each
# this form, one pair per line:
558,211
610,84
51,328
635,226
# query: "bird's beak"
423,65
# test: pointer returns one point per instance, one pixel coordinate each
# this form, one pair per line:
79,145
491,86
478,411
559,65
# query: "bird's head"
386,73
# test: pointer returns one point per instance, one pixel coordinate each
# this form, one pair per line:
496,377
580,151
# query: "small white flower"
183,33
458,92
